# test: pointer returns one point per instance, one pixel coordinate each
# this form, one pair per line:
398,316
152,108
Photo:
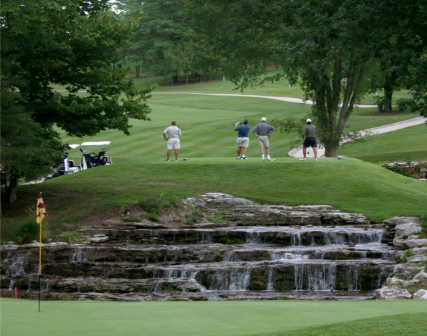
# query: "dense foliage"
71,44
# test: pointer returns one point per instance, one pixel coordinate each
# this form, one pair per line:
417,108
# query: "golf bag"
90,160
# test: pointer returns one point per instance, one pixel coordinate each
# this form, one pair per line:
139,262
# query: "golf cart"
91,159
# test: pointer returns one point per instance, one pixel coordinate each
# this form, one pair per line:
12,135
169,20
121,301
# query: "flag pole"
40,262
40,213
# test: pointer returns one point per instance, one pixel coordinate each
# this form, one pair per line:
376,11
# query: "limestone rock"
407,229
392,293
392,222
411,243
421,294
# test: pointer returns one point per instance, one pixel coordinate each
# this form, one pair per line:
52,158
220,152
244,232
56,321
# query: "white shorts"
242,142
173,144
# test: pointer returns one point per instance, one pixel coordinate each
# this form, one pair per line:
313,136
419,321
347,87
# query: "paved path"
297,152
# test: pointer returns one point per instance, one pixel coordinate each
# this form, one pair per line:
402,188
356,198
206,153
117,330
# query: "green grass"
347,184
208,143
261,318
409,144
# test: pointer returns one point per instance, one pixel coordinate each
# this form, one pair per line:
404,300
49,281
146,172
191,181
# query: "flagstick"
40,262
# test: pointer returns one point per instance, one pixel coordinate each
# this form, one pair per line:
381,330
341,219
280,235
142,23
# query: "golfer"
309,135
172,134
263,131
242,138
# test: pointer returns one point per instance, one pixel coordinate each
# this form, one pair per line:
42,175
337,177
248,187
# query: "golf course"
356,183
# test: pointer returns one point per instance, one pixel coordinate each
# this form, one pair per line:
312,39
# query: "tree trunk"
388,98
137,71
11,190
390,83
331,151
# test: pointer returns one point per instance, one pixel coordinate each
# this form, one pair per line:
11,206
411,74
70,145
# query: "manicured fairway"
94,318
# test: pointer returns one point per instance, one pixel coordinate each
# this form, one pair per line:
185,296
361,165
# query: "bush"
24,233
155,204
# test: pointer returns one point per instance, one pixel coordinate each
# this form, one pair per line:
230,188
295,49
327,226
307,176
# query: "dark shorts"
310,142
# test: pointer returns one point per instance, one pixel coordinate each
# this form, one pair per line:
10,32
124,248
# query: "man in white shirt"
172,134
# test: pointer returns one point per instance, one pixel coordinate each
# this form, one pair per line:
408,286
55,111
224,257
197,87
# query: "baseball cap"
263,119
245,121
308,120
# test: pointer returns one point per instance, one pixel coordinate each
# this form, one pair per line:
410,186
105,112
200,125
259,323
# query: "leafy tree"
69,44
163,42
329,46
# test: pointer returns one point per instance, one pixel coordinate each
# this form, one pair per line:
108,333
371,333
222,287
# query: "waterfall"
367,237
78,256
315,277
17,267
206,239
352,279
230,256
270,284
253,238
233,280
296,239
334,238
11,285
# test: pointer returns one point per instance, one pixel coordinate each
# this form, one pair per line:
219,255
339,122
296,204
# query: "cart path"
285,99
297,152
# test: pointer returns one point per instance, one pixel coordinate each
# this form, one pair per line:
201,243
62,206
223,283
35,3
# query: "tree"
70,44
163,42
328,46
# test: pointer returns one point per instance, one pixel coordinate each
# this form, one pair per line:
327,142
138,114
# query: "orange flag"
41,210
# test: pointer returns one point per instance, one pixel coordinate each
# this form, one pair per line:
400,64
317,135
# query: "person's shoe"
271,159
262,159
302,159
315,159
243,158
167,160
176,160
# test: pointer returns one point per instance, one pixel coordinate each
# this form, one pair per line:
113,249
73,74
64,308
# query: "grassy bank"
347,184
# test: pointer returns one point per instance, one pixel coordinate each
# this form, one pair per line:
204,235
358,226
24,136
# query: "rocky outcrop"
256,252
412,169
409,279
243,212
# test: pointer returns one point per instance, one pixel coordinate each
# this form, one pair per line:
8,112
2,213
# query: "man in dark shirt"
309,134
242,138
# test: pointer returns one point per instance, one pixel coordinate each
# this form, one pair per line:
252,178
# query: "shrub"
155,204
24,233
216,219
195,217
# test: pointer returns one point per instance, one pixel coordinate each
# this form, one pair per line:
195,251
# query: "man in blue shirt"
242,138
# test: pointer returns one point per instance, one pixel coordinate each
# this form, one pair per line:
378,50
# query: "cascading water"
262,262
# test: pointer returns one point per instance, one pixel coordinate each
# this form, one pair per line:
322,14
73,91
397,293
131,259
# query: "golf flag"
41,210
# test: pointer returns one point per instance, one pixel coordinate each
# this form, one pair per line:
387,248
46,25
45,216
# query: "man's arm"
164,136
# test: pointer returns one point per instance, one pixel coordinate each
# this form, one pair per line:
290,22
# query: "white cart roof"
73,146
95,143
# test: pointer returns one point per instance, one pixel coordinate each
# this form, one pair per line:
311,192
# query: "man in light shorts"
263,131
242,138
172,134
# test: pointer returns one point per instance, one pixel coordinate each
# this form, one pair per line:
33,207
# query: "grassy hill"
208,142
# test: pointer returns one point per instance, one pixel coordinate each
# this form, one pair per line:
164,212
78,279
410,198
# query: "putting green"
95,318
